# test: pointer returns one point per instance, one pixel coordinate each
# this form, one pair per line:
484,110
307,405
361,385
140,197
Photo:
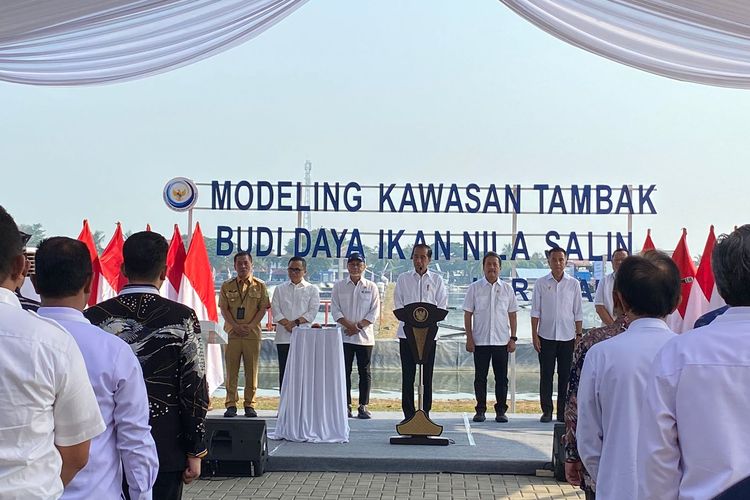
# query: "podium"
420,327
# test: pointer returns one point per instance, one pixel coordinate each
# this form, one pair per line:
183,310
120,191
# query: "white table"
312,407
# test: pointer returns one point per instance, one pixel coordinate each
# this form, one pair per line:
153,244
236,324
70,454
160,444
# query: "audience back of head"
730,262
10,244
649,285
144,256
63,267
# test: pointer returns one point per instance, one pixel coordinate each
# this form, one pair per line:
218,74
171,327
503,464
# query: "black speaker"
558,452
236,447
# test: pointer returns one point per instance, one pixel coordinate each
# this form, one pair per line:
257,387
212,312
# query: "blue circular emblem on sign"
180,194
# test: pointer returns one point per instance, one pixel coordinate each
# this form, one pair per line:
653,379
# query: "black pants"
364,354
498,355
560,352
168,486
409,373
283,350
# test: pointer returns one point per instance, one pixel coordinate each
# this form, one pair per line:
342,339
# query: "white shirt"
558,307
292,301
411,287
117,379
46,399
490,304
610,394
694,433
603,296
355,302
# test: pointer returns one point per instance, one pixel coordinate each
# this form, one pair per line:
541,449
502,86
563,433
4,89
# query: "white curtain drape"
701,41
84,42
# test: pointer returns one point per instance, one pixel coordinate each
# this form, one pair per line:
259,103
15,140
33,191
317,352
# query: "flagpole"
190,226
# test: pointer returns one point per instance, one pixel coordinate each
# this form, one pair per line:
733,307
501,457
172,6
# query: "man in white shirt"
694,434
355,305
294,303
63,280
420,285
48,411
614,375
490,321
556,321
603,301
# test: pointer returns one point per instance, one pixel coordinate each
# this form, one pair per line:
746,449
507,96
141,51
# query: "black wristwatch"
514,339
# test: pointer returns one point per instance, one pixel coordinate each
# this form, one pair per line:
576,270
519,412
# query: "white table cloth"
312,407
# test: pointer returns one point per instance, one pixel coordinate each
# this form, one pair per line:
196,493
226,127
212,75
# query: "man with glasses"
294,303
243,302
48,410
355,305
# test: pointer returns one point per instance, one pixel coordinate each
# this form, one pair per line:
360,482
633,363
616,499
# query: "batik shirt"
593,337
164,336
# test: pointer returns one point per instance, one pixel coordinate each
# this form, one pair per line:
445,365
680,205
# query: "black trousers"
498,356
168,486
364,354
283,350
560,352
409,373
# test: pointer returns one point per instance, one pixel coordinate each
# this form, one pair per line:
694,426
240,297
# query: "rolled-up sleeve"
536,299
313,304
134,442
277,308
441,294
577,303
374,311
469,300
336,312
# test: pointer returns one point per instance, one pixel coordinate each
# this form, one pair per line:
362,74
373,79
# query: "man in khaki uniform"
243,302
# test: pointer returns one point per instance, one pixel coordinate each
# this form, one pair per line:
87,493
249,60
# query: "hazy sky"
386,91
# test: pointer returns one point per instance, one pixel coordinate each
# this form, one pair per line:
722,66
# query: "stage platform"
521,446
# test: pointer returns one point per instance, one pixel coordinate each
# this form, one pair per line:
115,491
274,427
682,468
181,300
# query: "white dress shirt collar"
127,289
9,297
64,313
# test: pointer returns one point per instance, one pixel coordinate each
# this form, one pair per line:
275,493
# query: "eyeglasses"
25,237
294,269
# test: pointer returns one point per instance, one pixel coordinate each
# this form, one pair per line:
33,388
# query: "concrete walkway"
351,485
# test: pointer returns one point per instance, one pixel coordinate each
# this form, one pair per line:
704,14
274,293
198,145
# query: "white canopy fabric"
701,41
84,42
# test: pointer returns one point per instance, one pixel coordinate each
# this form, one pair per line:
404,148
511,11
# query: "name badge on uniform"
240,313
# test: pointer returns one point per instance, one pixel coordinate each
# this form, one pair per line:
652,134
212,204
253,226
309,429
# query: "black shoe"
250,412
363,413
500,417
231,411
479,417
349,412
546,417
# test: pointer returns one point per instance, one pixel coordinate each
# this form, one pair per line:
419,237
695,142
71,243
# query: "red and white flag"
710,298
88,239
111,280
170,289
197,292
648,244
689,308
